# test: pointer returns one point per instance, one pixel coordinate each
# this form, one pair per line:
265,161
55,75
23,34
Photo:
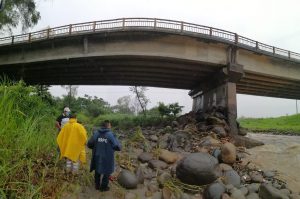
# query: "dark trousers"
101,183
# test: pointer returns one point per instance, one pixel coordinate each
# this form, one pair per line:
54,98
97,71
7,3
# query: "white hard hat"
66,109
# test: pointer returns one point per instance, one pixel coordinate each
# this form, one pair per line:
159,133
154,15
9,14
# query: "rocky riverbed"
194,157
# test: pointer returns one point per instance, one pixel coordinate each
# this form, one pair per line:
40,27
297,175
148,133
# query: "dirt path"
281,153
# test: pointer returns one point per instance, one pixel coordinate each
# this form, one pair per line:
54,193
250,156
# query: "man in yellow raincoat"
71,141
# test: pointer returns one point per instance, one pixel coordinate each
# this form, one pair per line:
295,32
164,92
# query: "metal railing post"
181,27
236,38
12,39
123,23
29,37
256,45
289,54
48,33
94,26
210,31
155,23
70,29
273,50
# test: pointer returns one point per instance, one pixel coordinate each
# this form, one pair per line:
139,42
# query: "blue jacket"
104,144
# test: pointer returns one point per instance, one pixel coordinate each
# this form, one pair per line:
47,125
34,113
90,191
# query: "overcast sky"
273,22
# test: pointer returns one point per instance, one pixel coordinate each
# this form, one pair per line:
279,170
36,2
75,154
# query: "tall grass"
27,142
284,124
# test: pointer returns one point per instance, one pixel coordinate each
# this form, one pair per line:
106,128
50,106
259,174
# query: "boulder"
214,191
228,153
197,169
157,164
220,131
127,179
267,191
145,157
246,142
168,156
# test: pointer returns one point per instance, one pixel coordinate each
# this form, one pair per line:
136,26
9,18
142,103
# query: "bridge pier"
221,96
220,91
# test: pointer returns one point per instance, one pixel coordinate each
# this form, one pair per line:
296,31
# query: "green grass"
284,124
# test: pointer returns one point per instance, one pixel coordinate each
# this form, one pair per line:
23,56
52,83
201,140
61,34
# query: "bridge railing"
156,25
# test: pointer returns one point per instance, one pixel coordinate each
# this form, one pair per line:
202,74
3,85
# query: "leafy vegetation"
171,110
284,124
16,12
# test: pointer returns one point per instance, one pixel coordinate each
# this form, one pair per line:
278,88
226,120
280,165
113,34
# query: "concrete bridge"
214,64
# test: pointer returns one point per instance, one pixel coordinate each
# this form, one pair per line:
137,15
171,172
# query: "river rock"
167,156
127,179
232,177
163,178
216,153
197,169
157,164
130,195
140,175
191,128
237,194
209,141
242,131
267,191
153,187
214,191
157,195
166,193
245,142
244,190
145,157
253,188
256,176
153,138
294,196
179,141
252,196
228,153
215,121
268,174
220,131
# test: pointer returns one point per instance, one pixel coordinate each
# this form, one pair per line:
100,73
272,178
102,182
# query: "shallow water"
280,153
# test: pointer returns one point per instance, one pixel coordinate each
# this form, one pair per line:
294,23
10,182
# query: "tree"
15,12
124,105
43,92
139,92
169,110
72,92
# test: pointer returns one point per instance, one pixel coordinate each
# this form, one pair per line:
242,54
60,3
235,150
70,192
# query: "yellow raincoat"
71,141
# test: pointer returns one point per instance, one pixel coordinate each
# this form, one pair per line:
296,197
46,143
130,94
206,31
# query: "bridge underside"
116,70
143,71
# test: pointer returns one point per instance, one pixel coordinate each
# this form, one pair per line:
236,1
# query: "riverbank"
280,153
284,125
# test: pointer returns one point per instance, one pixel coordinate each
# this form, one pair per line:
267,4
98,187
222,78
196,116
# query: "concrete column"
224,96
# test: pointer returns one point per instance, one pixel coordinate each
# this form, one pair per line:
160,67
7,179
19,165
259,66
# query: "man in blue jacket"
104,144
